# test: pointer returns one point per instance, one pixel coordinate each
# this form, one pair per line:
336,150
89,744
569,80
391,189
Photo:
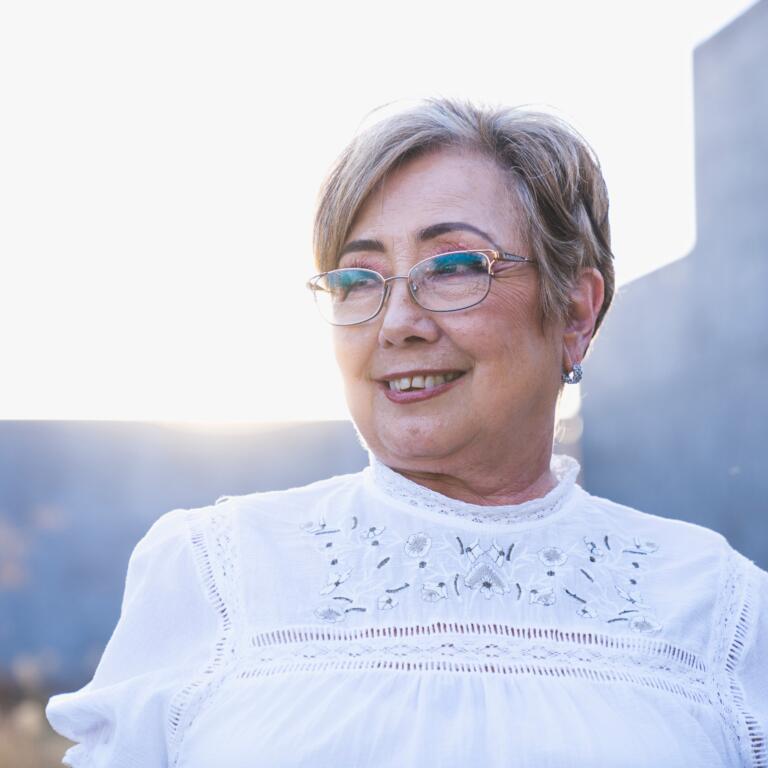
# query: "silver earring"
574,377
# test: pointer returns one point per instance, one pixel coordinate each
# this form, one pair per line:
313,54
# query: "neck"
485,483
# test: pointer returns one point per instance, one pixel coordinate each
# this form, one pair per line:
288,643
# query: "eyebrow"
435,230
427,233
362,245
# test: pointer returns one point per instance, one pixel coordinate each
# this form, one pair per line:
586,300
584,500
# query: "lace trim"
392,483
215,555
737,619
488,648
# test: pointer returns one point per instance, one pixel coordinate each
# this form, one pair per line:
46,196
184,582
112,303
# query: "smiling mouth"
421,382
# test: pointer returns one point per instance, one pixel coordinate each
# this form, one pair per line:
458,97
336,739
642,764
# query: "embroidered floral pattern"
385,602
433,591
543,596
372,534
486,578
417,544
329,613
334,579
643,624
374,568
552,556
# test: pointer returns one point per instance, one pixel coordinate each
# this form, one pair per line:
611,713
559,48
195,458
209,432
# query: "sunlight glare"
159,179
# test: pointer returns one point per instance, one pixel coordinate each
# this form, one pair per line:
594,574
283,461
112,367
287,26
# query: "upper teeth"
422,382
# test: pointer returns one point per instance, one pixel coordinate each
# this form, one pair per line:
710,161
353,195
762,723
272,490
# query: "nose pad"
404,319
388,299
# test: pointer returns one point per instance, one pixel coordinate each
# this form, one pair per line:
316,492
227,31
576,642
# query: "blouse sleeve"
165,633
752,668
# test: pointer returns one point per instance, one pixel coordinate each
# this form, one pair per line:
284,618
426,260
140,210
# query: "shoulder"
168,529
293,502
171,534
692,574
164,565
210,534
685,538
703,598
167,536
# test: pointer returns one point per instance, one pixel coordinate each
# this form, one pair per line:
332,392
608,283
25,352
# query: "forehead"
444,185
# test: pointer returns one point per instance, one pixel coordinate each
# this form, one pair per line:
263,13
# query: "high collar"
400,489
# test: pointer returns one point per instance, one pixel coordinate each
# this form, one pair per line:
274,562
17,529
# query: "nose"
403,320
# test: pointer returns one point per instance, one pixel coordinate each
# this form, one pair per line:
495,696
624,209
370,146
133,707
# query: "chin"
394,443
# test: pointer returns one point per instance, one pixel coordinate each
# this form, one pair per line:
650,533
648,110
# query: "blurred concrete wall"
75,497
674,393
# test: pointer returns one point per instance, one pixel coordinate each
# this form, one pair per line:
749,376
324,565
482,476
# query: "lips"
414,386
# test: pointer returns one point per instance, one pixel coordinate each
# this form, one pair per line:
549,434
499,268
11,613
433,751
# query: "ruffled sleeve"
166,632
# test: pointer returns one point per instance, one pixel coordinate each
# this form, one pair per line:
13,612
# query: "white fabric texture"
366,620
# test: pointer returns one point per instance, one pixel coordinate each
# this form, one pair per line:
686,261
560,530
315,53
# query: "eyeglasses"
446,282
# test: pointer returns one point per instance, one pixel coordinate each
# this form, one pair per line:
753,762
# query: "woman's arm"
165,634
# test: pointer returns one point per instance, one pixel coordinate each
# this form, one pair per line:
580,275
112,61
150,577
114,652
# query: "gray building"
675,405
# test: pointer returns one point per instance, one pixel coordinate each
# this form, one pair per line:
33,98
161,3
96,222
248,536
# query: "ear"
586,300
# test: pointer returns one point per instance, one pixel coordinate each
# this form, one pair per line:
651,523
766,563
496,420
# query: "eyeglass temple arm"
502,258
313,286
505,256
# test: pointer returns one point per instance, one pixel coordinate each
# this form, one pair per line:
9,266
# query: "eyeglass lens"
442,283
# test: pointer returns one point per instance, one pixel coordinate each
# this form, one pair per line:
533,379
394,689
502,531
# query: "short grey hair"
550,167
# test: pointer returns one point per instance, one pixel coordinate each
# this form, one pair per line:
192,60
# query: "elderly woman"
462,601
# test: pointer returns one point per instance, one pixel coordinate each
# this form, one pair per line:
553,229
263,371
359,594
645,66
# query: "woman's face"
510,367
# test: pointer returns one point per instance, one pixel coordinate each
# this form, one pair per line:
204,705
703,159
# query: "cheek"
511,349
509,323
352,351
515,301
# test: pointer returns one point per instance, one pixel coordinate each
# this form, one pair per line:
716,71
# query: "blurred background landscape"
671,419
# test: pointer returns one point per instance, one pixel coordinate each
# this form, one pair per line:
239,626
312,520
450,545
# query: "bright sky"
159,164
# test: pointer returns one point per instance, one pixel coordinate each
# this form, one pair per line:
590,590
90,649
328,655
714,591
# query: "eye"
362,261
351,281
456,264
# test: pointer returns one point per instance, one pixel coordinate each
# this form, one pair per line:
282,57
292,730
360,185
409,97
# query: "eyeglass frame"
498,256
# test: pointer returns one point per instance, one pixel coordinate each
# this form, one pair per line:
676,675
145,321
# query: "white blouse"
367,621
